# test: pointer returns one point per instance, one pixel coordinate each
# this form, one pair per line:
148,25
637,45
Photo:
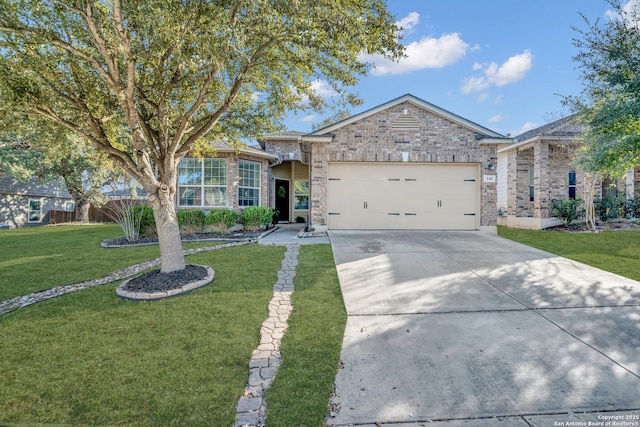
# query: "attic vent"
405,123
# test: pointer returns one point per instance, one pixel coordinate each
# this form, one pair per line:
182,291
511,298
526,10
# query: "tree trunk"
82,210
171,255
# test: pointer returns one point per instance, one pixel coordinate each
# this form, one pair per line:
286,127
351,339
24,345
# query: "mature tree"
34,149
336,117
149,81
609,104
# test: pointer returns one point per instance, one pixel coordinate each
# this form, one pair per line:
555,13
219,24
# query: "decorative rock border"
251,409
151,296
15,303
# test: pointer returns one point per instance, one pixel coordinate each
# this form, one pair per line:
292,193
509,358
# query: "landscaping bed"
200,237
610,225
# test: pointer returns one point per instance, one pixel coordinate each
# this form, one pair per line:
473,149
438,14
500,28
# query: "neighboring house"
406,164
536,168
27,204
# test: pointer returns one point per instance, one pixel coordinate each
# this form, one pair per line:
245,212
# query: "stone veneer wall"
520,162
372,139
283,148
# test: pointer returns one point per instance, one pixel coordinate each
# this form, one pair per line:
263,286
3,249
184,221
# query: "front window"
609,188
572,184
202,182
302,195
249,188
35,210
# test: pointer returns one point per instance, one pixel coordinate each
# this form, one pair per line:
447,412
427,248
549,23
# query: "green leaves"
609,104
169,72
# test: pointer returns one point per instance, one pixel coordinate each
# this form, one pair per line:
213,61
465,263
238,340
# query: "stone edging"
252,407
152,296
15,303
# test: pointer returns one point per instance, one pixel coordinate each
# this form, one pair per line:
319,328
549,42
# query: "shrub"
255,217
632,208
190,217
568,210
609,207
222,219
147,220
190,221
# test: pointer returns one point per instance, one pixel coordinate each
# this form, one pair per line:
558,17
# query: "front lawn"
90,358
617,251
37,258
311,347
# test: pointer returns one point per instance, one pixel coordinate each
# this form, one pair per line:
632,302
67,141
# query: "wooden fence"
101,214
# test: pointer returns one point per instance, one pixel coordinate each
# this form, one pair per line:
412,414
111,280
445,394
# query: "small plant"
221,219
147,220
568,210
190,217
190,221
256,217
632,208
610,207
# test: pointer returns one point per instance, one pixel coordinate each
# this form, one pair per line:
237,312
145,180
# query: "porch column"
512,182
630,187
541,182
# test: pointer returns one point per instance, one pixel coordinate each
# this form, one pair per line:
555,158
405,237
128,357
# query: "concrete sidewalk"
468,329
291,234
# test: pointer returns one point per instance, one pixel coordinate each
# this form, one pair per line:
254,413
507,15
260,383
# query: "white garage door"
399,196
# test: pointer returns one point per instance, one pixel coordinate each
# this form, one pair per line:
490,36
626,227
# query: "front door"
282,200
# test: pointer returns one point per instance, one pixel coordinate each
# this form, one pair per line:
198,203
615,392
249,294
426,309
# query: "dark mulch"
578,228
122,241
156,281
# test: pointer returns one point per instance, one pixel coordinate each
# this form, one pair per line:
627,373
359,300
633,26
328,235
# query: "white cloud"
526,127
323,89
308,118
483,97
429,52
630,13
511,71
409,22
497,118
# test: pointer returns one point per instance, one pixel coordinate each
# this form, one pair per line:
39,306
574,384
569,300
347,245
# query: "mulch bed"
122,241
580,228
155,281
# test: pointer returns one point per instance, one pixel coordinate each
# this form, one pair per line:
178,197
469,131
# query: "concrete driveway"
469,329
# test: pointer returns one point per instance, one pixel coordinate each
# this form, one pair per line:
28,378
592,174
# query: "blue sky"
503,64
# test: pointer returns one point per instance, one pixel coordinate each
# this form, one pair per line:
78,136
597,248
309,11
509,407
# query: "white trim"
259,187
202,186
29,210
532,140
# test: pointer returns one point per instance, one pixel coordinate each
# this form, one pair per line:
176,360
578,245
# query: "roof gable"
566,127
417,102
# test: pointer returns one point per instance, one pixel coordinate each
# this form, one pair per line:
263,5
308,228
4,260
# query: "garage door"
401,196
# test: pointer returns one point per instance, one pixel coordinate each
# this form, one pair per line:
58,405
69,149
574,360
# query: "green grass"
90,358
37,258
615,251
311,347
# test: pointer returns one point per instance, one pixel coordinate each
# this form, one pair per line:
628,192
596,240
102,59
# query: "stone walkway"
265,360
